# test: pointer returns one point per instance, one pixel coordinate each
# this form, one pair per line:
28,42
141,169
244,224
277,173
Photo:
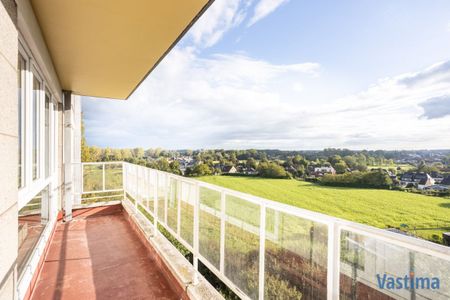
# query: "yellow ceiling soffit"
105,48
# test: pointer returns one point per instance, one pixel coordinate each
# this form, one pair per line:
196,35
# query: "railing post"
196,232
222,231
333,263
262,247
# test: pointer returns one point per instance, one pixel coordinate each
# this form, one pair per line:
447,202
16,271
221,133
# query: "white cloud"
264,8
218,19
191,101
235,101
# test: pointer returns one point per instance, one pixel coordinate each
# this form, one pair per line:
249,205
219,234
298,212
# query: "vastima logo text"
408,282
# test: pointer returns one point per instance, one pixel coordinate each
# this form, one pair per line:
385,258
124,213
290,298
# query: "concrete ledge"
169,258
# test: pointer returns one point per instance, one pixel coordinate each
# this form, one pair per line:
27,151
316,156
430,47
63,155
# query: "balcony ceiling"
105,48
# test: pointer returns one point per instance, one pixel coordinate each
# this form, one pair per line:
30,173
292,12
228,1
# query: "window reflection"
32,221
21,108
36,121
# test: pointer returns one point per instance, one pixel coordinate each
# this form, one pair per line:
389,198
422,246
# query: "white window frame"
23,117
48,165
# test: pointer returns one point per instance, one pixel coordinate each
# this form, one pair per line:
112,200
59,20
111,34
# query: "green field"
430,216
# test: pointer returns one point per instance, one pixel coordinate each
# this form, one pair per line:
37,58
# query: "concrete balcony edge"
169,258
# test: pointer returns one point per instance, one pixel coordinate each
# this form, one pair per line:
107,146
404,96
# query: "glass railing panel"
242,244
113,176
92,177
187,199
377,269
172,204
162,190
209,225
152,177
295,257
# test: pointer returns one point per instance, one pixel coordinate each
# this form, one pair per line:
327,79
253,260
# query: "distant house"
229,170
321,171
249,171
418,180
446,181
438,178
437,188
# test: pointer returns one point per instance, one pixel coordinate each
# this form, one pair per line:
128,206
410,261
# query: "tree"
107,154
423,167
95,153
251,163
138,152
333,160
117,153
175,167
126,154
301,171
272,170
85,154
340,167
201,170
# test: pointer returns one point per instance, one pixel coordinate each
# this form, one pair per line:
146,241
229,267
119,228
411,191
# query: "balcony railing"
262,249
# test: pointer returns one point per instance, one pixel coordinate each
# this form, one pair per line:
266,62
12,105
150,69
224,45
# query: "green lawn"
379,208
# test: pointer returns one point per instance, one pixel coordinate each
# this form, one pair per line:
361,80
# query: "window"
47,134
36,127
21,72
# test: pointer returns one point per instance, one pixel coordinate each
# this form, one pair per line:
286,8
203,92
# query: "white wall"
8,148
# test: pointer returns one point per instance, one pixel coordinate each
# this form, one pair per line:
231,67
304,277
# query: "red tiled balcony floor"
98,256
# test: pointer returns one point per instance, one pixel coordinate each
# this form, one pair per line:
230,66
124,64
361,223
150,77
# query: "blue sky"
294,75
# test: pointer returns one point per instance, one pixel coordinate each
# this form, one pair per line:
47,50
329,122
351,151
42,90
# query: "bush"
372,179
272,170
200,170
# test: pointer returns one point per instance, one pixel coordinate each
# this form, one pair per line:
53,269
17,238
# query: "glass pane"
161,197
54,143
21,109
47,134
144,187
113,176
36,121
92,178
141,182
296,257
209,226
32,220
172,204
151,191
376,269
242,244
187,212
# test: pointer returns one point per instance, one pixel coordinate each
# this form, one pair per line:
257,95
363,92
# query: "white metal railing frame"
335,226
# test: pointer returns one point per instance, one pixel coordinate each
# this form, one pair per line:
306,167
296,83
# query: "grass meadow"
426,216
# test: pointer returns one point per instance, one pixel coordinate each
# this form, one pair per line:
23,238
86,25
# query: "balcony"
260,249
99,256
